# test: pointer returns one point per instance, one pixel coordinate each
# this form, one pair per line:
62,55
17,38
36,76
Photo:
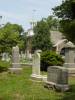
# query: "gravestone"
15,60
70,57
57,78
5,57
28,55
23,55
36,66
15,57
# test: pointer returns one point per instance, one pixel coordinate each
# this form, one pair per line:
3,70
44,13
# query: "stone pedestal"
57,78
15,70
36,77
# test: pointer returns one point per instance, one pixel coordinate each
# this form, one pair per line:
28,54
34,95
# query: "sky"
22,12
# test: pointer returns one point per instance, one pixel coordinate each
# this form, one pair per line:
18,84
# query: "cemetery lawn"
21,87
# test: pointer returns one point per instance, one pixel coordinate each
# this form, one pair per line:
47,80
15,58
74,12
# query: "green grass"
21,87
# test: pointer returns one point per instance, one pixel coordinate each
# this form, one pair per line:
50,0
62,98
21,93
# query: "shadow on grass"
70,95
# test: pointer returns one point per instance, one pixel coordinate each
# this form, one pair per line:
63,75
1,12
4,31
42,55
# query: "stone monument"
57,78
15,61
70,57
36,66
3,56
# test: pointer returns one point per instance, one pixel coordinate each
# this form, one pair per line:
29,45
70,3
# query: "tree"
10,35
66,10
68,29
52,22
41,39
66,13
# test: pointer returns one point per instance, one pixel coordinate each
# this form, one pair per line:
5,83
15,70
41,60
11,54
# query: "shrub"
4,65
50,58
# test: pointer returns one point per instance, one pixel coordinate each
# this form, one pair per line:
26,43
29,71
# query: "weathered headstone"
28,55
70,57
36,66
58,78
22,56
15,60
5,57
15,57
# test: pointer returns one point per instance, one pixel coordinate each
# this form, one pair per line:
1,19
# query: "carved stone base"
36,77
57,87
15,70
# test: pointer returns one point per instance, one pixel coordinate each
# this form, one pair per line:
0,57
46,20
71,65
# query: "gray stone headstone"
15,61
70,53
58,77
15,57
70,57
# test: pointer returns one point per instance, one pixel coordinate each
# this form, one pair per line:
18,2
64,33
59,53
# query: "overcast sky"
23,11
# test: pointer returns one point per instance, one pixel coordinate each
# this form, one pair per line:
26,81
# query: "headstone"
22,56
15,57
70,57
36,66
28,55
15,61
58,77
5,57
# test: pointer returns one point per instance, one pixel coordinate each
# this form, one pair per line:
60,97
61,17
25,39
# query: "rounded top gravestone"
15,56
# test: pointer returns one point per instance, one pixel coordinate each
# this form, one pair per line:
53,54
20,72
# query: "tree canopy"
41,39
66,13
52,22
66,10
10,35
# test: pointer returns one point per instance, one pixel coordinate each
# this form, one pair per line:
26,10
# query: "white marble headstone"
36,65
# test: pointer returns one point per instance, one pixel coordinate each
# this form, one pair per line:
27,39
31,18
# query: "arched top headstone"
15,56
37,53
16,48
